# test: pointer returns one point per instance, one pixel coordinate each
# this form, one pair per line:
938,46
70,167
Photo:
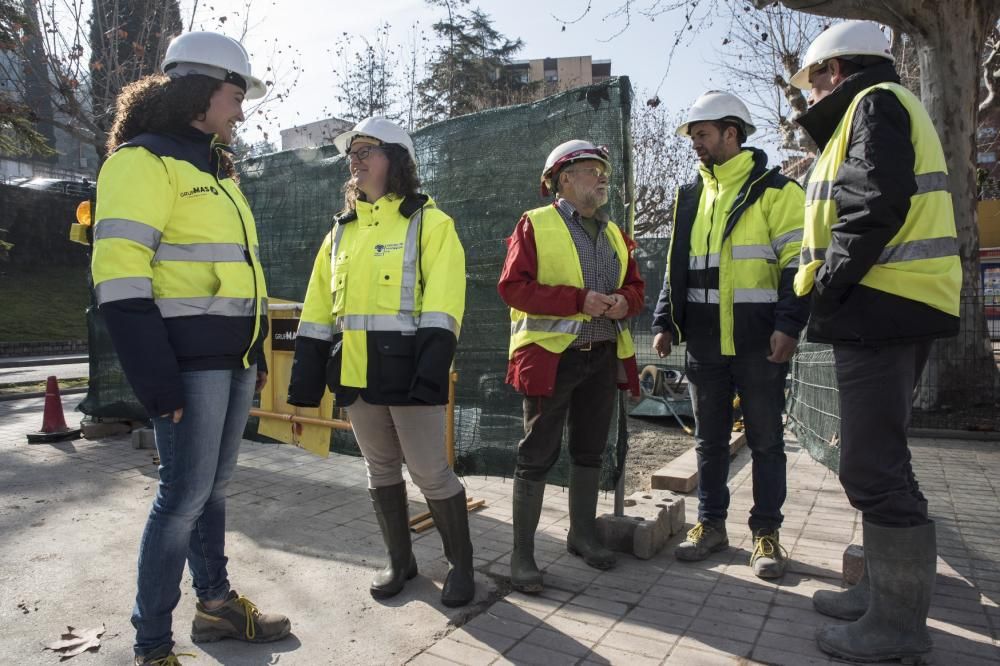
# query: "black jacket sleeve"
791,313
308,381
435,349
150,364
872,192
662,321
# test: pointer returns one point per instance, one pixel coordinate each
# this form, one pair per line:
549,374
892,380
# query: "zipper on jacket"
248,254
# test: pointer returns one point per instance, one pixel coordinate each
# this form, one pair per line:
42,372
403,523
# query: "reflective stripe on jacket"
559,264
387,294
880,253
733,256
176,264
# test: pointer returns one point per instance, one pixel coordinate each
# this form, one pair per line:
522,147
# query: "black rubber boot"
452,520
582,538
524,573
901,563
394,521
849,604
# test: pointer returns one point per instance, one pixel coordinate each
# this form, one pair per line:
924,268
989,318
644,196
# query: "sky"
314,28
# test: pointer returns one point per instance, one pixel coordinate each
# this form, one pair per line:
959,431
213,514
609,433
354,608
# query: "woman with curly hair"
379,327
180,285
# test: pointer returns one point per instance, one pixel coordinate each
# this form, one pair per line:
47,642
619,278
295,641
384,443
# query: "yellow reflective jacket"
176,264
880,253
384,304
733,255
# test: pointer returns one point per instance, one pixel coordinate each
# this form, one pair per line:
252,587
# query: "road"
40,373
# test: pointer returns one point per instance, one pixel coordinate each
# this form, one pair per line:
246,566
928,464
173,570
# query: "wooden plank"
681,474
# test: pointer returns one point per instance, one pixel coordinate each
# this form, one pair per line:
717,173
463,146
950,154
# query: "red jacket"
532,370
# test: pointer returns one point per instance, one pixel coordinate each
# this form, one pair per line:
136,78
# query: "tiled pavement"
642,612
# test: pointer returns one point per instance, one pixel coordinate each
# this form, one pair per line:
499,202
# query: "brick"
462,653
605,655
560,642
686,656
528,653
482,639
641,645
853,564
502,626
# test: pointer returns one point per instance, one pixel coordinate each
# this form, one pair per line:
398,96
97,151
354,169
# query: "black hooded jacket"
872,193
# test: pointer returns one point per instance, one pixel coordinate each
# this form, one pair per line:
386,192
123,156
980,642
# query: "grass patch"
38,387
43,305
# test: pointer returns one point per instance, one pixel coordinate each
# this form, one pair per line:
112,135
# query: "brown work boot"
702,540
238,618
769,557
163,656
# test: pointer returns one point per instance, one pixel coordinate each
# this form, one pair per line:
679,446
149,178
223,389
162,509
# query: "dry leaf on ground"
76,641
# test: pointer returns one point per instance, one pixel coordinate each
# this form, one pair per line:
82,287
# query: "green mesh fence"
813,406
481,169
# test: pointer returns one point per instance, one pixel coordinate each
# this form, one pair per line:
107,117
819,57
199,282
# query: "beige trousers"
388,435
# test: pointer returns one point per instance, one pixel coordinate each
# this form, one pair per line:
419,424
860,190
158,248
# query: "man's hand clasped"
597,304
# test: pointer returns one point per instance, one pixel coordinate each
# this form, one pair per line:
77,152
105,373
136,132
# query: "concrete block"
143,439
652,517
681,474
854,563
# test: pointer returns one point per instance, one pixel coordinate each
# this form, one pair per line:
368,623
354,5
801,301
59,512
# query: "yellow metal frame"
306,428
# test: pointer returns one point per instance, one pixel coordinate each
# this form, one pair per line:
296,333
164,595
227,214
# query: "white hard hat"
382,129
718,105
214,55
567,153
850,38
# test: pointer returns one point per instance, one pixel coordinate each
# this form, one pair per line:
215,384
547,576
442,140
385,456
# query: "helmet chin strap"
177,70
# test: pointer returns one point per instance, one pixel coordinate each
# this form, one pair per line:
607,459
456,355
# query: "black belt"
592,346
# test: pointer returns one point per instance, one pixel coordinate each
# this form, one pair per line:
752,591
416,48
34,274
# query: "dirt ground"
652,443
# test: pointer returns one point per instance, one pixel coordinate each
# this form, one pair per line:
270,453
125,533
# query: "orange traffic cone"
54,427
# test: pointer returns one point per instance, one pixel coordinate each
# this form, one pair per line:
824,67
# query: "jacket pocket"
387,292
397,362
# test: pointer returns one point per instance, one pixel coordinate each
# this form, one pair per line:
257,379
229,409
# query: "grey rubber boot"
582,538
452,520
394,521
901,563
849,604
524,573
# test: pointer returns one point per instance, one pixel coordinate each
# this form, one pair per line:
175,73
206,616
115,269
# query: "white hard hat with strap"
850,38
717,105
214,55
567,153
375,127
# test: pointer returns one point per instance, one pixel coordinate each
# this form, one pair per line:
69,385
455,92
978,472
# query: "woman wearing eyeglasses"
379,327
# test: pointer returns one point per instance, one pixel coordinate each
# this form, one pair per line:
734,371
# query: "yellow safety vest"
374,273
921,261
559,264
169,231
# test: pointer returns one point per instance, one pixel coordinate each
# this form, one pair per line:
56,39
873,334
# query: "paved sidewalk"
303,540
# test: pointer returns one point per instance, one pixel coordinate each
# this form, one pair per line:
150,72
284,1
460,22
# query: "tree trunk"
961,370
950,39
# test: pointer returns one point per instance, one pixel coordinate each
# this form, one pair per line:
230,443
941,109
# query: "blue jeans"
188,518
713,380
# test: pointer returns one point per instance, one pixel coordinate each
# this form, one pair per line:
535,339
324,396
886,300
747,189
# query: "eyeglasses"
361,154
596,172
816,70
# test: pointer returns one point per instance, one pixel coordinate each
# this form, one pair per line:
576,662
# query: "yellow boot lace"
696,533
250,611
767,545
